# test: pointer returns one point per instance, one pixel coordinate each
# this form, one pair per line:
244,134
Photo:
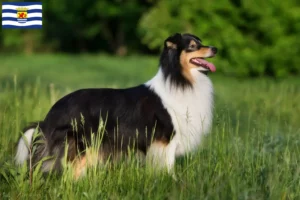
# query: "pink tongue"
209,65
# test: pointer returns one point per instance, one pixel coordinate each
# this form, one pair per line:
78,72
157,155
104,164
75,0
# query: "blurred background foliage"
255,38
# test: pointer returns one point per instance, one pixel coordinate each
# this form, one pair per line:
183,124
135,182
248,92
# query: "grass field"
253,151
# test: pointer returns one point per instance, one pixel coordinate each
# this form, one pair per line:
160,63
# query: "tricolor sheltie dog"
163,118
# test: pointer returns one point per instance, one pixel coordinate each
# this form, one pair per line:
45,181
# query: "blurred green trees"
254,37
81,26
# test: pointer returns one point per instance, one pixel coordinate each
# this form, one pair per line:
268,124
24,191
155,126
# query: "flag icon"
22,15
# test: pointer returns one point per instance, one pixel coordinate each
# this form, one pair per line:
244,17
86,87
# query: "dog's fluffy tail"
24,144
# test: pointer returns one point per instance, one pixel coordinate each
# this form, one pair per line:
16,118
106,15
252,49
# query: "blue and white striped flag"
22,15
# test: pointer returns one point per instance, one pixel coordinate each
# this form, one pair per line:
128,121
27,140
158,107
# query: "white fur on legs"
161,156
23,147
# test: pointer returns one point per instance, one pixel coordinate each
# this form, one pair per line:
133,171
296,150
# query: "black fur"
170,64
131,115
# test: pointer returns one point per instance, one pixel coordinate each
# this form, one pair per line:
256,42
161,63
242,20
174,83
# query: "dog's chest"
190,111
191,114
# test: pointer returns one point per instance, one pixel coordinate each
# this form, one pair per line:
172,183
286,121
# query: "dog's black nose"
214,50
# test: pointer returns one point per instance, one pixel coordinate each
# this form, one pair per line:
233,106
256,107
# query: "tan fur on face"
185,58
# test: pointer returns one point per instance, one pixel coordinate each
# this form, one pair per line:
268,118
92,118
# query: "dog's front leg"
161,156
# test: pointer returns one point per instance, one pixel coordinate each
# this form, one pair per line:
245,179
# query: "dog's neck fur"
190,108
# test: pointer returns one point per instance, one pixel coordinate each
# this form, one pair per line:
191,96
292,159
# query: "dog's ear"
173,41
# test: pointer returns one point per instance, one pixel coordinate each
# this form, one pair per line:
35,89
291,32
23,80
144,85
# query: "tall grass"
252,152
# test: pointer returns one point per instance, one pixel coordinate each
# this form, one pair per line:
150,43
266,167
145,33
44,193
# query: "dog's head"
184,53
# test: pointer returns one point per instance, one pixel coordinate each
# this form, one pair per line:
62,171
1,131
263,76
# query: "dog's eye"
193,46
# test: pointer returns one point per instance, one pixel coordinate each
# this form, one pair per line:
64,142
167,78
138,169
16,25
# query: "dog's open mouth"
203,63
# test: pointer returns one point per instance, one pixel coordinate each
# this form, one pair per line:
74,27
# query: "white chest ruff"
190,110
